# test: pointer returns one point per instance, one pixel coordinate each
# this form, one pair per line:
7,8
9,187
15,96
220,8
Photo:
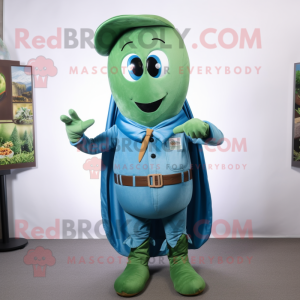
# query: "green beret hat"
108,33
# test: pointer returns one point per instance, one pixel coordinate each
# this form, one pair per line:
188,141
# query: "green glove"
74,126
194,128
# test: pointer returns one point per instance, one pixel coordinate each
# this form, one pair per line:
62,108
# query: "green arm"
194,128
75,127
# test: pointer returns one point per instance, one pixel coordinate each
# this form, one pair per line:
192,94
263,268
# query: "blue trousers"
139,229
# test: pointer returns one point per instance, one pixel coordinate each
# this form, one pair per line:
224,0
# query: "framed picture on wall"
17,142
296,118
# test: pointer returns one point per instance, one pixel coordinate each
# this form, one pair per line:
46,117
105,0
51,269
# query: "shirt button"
151,139
153,155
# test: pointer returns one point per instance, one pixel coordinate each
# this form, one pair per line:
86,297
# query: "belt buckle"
160,180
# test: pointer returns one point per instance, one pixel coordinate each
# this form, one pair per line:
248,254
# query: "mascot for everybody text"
155,197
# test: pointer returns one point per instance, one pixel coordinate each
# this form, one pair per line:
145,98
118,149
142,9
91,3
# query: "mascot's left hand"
194,128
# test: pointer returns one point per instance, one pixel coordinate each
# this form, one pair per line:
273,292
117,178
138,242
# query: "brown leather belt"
158,180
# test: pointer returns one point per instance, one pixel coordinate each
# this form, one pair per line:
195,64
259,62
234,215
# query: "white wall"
253,106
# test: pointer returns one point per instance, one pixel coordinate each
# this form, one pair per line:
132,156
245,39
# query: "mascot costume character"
155,197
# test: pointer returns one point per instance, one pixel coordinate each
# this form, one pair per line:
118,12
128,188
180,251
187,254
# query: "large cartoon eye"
134,67
157,64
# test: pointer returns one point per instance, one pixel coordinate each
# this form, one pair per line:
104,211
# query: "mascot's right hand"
74,126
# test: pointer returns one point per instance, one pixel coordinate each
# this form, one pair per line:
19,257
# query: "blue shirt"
169,157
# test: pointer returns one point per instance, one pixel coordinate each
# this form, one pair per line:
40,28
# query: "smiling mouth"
150,107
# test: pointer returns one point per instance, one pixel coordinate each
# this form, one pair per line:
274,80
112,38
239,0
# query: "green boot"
185,279
136,274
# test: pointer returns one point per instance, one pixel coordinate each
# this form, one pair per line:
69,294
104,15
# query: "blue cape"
199,212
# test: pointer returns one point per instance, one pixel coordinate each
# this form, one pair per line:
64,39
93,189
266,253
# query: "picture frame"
296,118
17,130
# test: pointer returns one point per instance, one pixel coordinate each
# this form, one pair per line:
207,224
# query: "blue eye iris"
154,66
135,67
157,64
